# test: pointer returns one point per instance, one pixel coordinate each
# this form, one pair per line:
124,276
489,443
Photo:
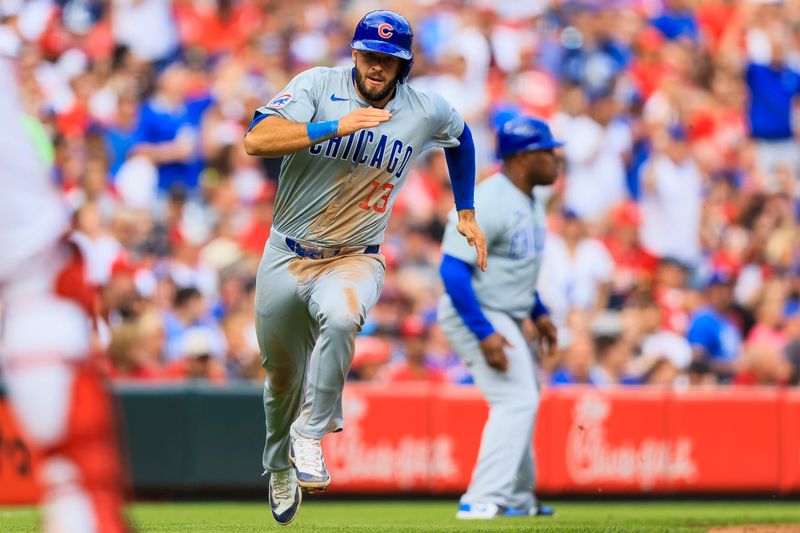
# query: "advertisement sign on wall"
425,439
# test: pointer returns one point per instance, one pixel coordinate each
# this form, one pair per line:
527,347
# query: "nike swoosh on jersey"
334,98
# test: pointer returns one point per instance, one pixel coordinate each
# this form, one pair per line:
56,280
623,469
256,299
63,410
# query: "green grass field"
378,517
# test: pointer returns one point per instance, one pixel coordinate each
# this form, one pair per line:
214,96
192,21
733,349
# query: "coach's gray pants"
504,474
308,313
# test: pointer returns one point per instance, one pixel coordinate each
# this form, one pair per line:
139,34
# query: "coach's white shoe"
478,511
306,455
284,496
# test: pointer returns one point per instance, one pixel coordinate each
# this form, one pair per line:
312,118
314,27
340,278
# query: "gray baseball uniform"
334,199
514,225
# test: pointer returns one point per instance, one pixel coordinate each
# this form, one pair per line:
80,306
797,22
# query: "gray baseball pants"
505,471
308,313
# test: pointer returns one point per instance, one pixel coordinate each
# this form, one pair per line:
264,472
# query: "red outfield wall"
624,441
425,439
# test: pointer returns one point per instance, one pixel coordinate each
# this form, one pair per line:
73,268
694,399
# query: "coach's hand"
361,118
468,227
493,348
548,336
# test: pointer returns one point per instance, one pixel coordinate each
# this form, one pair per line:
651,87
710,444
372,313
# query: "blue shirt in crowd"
160,124
770,107
119,142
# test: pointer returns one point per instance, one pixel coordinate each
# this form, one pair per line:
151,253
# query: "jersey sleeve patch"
280,101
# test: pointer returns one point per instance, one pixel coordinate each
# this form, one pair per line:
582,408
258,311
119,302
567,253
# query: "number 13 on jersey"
382,201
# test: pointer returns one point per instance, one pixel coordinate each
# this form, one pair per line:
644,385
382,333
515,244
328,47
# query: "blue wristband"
320,130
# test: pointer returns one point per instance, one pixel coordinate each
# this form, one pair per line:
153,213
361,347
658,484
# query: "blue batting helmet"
524,134
386,32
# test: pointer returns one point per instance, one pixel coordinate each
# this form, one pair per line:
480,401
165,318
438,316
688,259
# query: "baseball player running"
349,137
53,384
481,315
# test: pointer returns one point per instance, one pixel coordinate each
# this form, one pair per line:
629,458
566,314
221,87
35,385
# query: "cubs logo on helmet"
385,30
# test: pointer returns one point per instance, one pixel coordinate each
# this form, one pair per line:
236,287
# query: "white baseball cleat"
284,496
306,455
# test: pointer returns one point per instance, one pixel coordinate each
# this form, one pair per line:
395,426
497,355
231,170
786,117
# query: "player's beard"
373,95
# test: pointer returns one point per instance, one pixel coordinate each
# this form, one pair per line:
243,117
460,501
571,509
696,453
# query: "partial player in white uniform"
349,137
53,385
481,313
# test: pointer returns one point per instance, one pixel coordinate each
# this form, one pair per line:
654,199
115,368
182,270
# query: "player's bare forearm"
468,227
276,137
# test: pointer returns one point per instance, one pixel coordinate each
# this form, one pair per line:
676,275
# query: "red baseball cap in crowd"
626,214
370,350
413,327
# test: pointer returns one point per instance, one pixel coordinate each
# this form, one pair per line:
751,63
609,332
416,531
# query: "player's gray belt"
317,252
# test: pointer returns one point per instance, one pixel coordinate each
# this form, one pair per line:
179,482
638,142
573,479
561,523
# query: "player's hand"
493,348
468,227
361,118
548,336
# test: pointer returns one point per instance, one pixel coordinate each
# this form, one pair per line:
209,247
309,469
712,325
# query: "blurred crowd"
673,253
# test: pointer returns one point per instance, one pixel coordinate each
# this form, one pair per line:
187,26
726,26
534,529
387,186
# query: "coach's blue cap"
524,134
